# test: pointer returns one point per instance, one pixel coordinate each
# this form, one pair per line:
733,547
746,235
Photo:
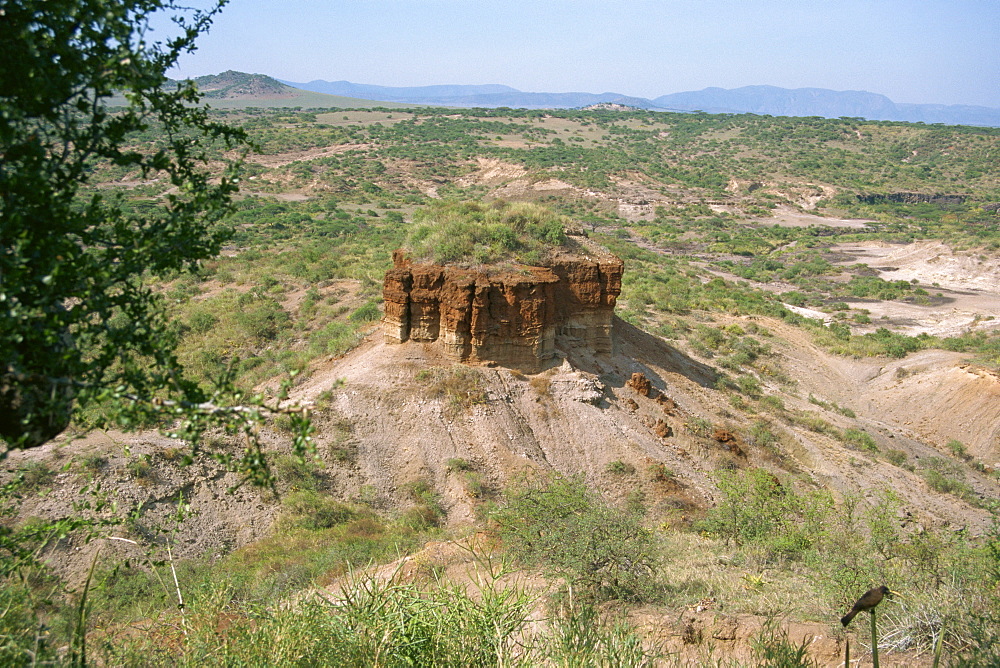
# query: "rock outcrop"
515,317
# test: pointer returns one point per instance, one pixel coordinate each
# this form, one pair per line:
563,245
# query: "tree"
79,323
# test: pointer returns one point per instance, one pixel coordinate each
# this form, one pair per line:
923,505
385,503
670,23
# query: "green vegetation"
557,523
79,324
460,387
470,232
772,547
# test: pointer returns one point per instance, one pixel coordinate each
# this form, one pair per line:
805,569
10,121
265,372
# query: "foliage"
461,387
558,524
470,232
758,508
78,320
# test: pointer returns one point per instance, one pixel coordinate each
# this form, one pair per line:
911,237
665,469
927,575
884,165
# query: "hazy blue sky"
939,51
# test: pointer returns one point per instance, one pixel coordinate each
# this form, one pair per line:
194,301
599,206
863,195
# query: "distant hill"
776,101
393,94
238,90
769,100
240,85
489,95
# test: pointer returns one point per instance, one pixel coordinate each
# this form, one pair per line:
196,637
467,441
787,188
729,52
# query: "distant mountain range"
769,100
238,89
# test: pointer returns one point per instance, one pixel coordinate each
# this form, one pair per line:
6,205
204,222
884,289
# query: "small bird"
869,600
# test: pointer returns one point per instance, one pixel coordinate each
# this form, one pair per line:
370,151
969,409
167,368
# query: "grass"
474,233
460,387
256,604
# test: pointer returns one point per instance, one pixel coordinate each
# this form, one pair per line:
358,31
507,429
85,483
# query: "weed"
460,386
699,426
618,467
860,439
139,468
459,464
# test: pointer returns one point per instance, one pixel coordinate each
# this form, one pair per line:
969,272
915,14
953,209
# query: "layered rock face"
515,318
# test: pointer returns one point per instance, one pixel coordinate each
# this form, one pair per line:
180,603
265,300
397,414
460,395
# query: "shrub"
660,473
93,463
772,403
557,523
860,439
308,509
370,312
476,233
35,474
699,427
896,457
460,386
139,468
947,484
298,472
957,448
618,467
427,511
459,464
758,509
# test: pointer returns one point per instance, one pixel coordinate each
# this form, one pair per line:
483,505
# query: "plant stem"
874,639
938,644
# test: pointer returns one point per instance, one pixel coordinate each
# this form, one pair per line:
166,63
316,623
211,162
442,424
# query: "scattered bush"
558,524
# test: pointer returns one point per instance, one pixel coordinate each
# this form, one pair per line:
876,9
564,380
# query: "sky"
917,51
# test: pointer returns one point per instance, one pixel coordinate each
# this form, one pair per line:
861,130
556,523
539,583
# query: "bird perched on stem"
868,601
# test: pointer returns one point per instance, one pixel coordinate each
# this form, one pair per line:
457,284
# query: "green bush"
757,508
860,439
558,524
618,467
309,509
472,232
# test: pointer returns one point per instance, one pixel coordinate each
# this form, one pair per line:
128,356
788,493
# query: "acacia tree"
79,322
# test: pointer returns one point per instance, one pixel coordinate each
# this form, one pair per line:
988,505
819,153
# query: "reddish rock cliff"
515,317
